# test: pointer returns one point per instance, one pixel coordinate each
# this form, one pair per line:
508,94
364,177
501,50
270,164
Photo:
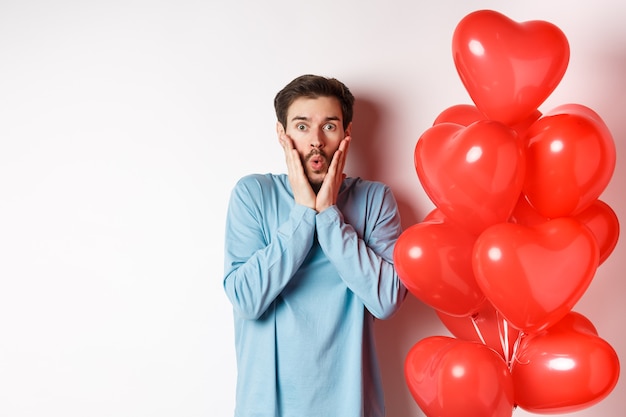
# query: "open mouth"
316,161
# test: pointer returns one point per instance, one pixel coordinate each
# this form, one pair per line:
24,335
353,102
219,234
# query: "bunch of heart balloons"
516,236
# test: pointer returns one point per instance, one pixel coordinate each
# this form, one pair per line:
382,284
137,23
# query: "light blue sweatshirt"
305,288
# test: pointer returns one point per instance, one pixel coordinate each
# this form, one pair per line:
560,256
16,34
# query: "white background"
123,127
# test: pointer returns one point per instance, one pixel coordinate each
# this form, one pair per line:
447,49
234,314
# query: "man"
308,266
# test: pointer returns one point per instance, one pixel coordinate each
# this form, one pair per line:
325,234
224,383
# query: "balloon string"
516,346
480,335
504,337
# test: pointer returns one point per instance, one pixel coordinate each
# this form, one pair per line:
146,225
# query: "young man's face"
316,127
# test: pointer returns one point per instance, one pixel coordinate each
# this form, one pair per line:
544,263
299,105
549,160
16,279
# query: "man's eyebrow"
306,119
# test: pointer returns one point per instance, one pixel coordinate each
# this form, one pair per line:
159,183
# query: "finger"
291,153
341,160
343,147
285,142
345,143
335,162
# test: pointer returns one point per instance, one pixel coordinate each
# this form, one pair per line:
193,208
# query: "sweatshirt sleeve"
258,265
366,263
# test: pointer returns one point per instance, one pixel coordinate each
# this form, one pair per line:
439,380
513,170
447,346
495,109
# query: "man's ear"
280,129
348,131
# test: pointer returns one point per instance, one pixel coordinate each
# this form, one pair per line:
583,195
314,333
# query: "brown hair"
313,86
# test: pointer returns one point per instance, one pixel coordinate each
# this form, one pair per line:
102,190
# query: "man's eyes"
327,126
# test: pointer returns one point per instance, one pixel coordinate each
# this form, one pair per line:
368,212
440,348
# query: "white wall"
123,126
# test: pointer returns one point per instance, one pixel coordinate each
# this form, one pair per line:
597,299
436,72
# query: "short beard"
315,185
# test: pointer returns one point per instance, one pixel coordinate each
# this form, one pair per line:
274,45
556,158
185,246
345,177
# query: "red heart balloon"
449,378
535,275
434,261
466,114
462,114
473,174
600,218
486,326
508,68
436,215
565,368
574,321
570,160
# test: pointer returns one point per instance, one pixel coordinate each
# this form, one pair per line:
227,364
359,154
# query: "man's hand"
302,191
327,195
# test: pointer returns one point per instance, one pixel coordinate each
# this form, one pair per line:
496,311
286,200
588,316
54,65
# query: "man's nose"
317,139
